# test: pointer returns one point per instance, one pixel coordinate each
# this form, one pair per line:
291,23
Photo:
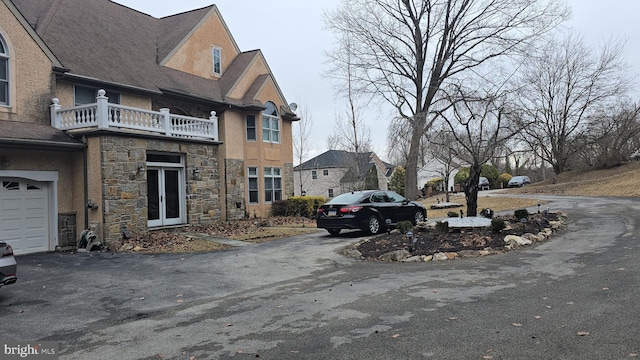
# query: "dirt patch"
250,230
429,241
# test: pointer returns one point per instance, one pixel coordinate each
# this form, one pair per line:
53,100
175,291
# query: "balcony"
104,116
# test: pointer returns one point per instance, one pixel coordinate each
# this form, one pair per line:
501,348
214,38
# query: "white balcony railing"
103,115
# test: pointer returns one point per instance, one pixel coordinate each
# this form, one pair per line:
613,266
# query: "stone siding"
124,192
288,181
236,190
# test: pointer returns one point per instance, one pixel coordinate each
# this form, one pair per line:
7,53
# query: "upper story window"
4,72
314,174
251,127
325,172
216,56
87,95
270,124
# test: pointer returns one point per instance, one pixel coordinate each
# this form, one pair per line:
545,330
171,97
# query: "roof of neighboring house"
105,42
18,133
342,159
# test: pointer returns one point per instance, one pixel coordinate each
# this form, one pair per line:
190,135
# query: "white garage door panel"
24,215
11,204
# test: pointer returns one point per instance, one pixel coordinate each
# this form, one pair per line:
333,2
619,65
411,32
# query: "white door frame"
50,178
182,203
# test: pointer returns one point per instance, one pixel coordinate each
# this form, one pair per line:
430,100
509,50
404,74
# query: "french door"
166,196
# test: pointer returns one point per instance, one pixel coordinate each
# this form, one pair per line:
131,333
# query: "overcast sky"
292,36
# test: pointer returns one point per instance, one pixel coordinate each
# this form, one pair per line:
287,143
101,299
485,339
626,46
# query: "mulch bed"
429,241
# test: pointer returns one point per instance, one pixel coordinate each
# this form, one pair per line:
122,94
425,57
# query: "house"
336,171
119,122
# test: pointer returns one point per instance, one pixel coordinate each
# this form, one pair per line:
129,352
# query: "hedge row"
298,206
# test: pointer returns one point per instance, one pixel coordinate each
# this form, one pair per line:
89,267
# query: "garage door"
24,215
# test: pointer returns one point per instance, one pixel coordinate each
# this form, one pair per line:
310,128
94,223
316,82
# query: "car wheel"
334,232
373,225
418,217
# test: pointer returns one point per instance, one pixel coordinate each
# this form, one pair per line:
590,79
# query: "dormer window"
216,55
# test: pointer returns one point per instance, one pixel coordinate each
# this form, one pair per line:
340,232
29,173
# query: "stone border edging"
512,242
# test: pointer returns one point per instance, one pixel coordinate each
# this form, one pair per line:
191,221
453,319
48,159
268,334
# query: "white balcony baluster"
103,115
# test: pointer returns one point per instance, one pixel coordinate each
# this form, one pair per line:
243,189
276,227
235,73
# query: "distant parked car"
518,181
483,183
8,266
368,210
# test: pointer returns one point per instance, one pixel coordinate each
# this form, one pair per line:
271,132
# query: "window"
325,172
314,174
11,185
216,54
253,185
4,73
87,95
272,184
270,124
251,127
330,193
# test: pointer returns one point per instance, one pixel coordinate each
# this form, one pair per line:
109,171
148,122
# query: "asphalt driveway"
573,297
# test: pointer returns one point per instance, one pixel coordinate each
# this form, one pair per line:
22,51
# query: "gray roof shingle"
111,43
341,159
35,135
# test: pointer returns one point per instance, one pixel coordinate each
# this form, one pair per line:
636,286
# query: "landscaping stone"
413,259
531,237
398,255
469,253
426,258
440,256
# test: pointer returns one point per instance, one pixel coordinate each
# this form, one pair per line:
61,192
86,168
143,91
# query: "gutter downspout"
86,183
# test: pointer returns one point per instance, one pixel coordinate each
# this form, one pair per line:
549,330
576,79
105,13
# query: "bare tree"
350,132
301,131
562,88
404,51
442,149
480,124
611,139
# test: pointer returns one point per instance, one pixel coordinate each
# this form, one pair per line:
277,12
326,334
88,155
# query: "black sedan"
369,210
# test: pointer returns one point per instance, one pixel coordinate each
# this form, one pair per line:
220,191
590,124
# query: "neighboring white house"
337,171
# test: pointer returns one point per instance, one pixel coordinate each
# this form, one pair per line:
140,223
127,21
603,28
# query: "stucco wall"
258,67
30,73
195,54
64,93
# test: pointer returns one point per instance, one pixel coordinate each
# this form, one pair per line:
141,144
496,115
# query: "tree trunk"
471,190
411,173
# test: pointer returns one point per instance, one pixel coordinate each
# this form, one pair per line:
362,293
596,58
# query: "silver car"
518,181
8,265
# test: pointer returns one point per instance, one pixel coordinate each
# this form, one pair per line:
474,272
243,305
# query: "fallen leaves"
252,230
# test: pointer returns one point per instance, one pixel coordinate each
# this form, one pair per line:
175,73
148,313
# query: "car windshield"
346,198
